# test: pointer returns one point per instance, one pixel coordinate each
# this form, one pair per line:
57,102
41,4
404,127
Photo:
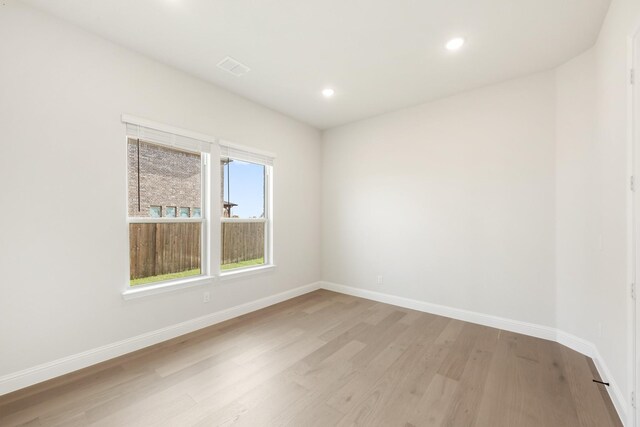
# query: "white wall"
62,180
593,193
591,208
512,200
578,221
593,198
613,267
451,202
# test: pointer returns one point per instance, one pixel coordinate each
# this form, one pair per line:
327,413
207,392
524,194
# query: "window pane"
184,212
242,244
155,211
197,213
160,176
242,189
163,251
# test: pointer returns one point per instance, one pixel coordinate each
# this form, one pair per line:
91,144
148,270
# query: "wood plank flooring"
326,359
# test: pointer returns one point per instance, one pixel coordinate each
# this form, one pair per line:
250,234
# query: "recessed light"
328,92
455,44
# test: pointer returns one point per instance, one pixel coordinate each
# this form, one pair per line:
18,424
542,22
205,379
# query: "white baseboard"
576,343
47,371
589,349
525,328
545,332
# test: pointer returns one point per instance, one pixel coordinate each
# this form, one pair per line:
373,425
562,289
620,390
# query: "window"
184,212
245,209
163,173
197,213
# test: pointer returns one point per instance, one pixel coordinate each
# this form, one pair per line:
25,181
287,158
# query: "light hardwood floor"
326,359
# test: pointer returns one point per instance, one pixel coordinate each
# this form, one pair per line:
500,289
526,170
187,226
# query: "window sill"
243,272
174,285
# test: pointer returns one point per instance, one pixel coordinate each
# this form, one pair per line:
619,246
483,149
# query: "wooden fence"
164,248
242,241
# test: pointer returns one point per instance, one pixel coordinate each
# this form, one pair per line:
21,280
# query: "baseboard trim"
56,368
531,329
545,332
615,393
589,349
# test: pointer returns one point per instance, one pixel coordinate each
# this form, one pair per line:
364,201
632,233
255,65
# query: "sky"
245,188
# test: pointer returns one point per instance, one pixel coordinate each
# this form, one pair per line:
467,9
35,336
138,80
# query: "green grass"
161,277
195,272
248,263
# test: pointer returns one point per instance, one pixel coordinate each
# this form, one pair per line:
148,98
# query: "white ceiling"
378,55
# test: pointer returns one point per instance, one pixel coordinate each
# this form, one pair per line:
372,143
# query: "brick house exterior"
167,178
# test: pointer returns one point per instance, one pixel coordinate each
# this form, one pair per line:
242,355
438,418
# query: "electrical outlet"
206,297
380,280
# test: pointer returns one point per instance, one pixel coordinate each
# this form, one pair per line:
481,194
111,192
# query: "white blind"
167,138
246,154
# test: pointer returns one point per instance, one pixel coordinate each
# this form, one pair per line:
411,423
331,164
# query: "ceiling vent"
232,66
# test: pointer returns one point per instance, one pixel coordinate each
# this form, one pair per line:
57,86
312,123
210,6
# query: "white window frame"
205,151
246,154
